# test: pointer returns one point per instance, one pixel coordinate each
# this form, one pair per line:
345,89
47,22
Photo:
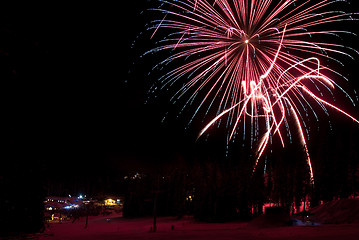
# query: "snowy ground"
114,227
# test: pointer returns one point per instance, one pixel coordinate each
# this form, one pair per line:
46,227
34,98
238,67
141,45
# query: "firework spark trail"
250,59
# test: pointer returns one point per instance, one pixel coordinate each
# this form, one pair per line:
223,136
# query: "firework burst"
255,63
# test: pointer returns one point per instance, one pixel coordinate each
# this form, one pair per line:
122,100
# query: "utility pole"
87,215
154,227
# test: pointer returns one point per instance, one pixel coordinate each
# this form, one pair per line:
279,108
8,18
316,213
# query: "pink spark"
254,60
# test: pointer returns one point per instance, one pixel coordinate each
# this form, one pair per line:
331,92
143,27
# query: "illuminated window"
110,202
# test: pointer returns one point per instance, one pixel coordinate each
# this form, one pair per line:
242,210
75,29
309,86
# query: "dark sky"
67,96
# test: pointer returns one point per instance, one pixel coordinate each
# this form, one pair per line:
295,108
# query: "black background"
69,105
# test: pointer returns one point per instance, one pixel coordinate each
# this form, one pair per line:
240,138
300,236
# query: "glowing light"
110,202
253,62
71,206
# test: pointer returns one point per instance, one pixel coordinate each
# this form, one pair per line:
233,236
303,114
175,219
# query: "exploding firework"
254,63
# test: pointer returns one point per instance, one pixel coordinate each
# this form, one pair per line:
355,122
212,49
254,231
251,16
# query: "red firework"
250,58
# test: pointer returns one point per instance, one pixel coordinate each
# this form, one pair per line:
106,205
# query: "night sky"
70,105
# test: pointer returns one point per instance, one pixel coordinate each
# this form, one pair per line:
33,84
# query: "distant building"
56,208
58,203
113,201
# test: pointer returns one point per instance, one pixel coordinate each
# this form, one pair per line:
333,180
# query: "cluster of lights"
81,196
59,201
112,202
68,206
72,206
134,177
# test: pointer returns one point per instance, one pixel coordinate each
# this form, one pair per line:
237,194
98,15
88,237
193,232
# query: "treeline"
222,188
